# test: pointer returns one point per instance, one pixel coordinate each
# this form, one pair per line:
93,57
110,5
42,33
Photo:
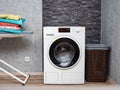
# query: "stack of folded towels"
11,23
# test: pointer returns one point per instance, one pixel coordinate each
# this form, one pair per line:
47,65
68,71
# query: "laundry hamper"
97,58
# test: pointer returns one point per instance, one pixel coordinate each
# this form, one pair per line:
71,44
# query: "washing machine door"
64,53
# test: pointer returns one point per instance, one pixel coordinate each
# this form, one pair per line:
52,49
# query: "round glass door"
64,52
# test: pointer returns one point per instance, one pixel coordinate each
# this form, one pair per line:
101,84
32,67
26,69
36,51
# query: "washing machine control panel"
69,30
64,30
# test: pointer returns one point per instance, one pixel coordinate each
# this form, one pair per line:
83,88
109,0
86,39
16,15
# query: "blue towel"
11,31
22,32
19,22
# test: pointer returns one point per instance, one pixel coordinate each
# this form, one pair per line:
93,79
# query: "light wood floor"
58,87
36,83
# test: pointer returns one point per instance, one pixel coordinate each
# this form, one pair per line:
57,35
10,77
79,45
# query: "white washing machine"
64,55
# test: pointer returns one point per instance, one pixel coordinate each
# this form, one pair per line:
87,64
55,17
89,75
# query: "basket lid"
97,47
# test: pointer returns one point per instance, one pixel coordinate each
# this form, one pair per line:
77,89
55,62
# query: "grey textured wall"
111,35
14,51
74,13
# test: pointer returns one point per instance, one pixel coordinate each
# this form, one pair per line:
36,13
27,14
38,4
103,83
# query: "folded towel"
11,31
19,22
22,32
8,24
10,16
10,27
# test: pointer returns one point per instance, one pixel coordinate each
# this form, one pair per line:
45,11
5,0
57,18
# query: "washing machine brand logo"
50,34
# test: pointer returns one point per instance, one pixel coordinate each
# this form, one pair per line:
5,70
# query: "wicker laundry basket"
97,57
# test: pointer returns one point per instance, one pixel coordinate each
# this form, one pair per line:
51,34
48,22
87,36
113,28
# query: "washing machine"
64,55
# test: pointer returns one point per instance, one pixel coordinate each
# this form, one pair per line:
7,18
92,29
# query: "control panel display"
64,30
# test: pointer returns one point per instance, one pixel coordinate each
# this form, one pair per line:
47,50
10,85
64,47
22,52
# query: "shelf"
10,35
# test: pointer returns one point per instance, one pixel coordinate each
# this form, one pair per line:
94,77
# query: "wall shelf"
10,35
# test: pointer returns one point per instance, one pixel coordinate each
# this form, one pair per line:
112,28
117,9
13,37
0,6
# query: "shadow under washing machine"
64,55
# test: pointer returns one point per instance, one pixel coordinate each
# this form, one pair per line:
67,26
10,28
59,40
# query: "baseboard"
110,81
